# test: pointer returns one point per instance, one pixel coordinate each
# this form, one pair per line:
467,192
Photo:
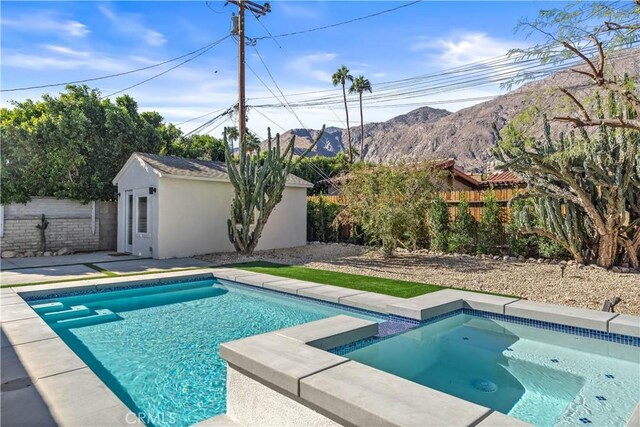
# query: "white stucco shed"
177,207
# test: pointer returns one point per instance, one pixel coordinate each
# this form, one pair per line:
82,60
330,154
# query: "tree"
590,32
490,228
462,234
585,188
340,77
359,86
258,181
317,168
203,147
389,202
73,145
439,225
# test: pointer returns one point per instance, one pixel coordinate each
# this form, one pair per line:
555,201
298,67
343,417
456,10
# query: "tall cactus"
259,179
585,187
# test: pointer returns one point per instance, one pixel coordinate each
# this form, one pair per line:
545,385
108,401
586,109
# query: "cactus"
584,188
43,238
259,179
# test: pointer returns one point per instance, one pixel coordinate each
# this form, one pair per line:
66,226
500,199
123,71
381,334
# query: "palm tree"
340,77
361,85
232,135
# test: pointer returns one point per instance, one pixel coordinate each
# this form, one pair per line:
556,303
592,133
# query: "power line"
113,75
168,70
199,117
337,24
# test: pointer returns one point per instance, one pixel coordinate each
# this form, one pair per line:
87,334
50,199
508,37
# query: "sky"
52,42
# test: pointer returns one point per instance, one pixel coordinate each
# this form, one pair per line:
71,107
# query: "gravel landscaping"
580,287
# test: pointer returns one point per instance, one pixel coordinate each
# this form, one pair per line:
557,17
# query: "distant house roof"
503,179
182,167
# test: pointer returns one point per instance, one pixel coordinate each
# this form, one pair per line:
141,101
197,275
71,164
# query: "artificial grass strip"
396,288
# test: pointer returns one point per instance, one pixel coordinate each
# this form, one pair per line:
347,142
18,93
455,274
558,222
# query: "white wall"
139,176
287,225
193,218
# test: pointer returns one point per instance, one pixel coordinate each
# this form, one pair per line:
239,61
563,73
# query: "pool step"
102,316
47,307
73,312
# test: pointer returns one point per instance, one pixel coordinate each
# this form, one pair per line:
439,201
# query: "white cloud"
463,48
65,50
314,65
131,24
66,61
46,22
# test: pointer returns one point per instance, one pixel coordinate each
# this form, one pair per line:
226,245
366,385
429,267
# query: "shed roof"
182,167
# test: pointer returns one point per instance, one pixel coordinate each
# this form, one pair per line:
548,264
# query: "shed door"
142,222
128,221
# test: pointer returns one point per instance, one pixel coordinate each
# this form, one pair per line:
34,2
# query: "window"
142,214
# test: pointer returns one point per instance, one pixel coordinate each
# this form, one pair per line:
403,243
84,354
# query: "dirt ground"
580,287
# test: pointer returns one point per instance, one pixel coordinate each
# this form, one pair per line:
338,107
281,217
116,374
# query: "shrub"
320,217
438,225
490,229
527,244
462,235
388,203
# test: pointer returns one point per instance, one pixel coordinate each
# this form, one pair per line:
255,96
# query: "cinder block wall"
70,225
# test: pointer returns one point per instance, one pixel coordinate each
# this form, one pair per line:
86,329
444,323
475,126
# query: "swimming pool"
157,347
539,376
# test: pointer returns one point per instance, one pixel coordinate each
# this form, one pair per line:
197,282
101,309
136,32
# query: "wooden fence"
475,198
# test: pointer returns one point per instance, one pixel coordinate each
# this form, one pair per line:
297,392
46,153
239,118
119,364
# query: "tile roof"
505,179
195,168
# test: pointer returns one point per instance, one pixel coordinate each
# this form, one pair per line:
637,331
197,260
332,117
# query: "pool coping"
26,327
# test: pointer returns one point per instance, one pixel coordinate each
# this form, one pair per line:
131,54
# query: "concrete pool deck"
53,269
283,377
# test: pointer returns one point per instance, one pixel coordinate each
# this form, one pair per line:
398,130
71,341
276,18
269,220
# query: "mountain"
466,135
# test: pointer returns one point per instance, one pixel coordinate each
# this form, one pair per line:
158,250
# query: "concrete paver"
365,396
278,360
572,316
5,264
82,258
24,331
45,274
331,332
39,359
148,265
328,293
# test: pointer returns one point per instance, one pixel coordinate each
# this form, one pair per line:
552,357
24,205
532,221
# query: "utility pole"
238,29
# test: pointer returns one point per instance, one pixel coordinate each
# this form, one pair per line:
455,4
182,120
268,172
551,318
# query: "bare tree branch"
616,123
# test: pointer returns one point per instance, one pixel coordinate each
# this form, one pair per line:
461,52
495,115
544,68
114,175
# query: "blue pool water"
543,377
157,347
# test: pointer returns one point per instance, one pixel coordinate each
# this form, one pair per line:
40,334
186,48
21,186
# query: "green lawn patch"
396,288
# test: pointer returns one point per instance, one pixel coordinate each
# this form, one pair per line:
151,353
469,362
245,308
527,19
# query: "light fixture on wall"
152,190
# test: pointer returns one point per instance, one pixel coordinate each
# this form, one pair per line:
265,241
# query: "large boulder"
8,254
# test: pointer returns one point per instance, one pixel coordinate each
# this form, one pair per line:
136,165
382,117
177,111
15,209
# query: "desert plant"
438,225
321,214
584,188
258,183
490,228
388,203
462,235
